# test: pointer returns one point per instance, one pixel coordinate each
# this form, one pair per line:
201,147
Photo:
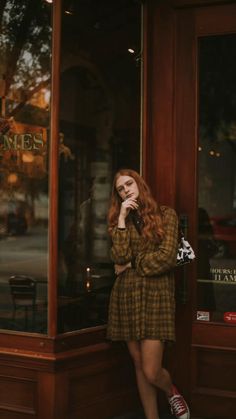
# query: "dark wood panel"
215,375
185,114
108,406
217,20
220,407
185,129
102,380
145,93
102,387
213,335
160,159
11,414
194,3
14,341
17,393
12,371
99,382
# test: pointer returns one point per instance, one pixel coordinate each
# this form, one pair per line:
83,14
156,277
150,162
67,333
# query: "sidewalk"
140,415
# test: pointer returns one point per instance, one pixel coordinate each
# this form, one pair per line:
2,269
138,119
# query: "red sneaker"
178,405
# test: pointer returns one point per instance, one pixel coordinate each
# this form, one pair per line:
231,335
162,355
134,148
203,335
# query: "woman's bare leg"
147,355
152,355
147,391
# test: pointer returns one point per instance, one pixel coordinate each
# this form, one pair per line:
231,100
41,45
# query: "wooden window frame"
52,342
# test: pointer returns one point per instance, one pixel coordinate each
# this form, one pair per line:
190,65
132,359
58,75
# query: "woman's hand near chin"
126,206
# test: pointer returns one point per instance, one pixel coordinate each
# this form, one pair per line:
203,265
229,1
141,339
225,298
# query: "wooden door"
190,163
205,127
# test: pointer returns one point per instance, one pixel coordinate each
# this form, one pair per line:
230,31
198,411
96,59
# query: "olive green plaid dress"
142,303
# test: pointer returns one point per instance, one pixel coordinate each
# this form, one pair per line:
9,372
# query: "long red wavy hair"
148,208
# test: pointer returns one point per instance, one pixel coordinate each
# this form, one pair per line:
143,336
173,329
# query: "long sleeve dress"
142,302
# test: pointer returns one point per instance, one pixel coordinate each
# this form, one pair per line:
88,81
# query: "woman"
142,305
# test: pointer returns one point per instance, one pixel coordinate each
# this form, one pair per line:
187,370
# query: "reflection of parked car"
16,223
224,230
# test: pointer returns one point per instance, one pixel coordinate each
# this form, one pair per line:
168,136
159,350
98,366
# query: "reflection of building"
23,154
23,150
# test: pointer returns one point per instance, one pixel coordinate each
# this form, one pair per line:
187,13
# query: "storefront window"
25,50
99,133
217,180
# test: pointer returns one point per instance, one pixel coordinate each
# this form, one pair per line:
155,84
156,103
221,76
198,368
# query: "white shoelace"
177,405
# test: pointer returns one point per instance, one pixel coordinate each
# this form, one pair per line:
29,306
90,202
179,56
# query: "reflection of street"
23,255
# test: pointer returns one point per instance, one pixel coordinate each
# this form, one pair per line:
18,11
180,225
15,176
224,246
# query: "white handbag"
185,252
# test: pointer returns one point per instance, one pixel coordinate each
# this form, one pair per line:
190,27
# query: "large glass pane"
25,49
217,179
99,133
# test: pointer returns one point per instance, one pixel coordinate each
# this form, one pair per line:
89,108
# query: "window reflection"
25,48
217,179
99,133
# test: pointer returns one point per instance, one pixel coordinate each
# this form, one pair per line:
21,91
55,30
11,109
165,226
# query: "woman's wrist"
121,223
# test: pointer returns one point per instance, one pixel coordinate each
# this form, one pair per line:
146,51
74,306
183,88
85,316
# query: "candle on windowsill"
88,279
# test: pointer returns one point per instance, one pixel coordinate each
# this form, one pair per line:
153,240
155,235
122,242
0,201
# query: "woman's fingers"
121,268
132,202
129,204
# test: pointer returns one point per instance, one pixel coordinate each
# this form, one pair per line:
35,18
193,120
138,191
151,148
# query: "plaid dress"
142,303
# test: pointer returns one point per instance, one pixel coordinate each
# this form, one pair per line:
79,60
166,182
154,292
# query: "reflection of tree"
24,47
28,96
2,7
